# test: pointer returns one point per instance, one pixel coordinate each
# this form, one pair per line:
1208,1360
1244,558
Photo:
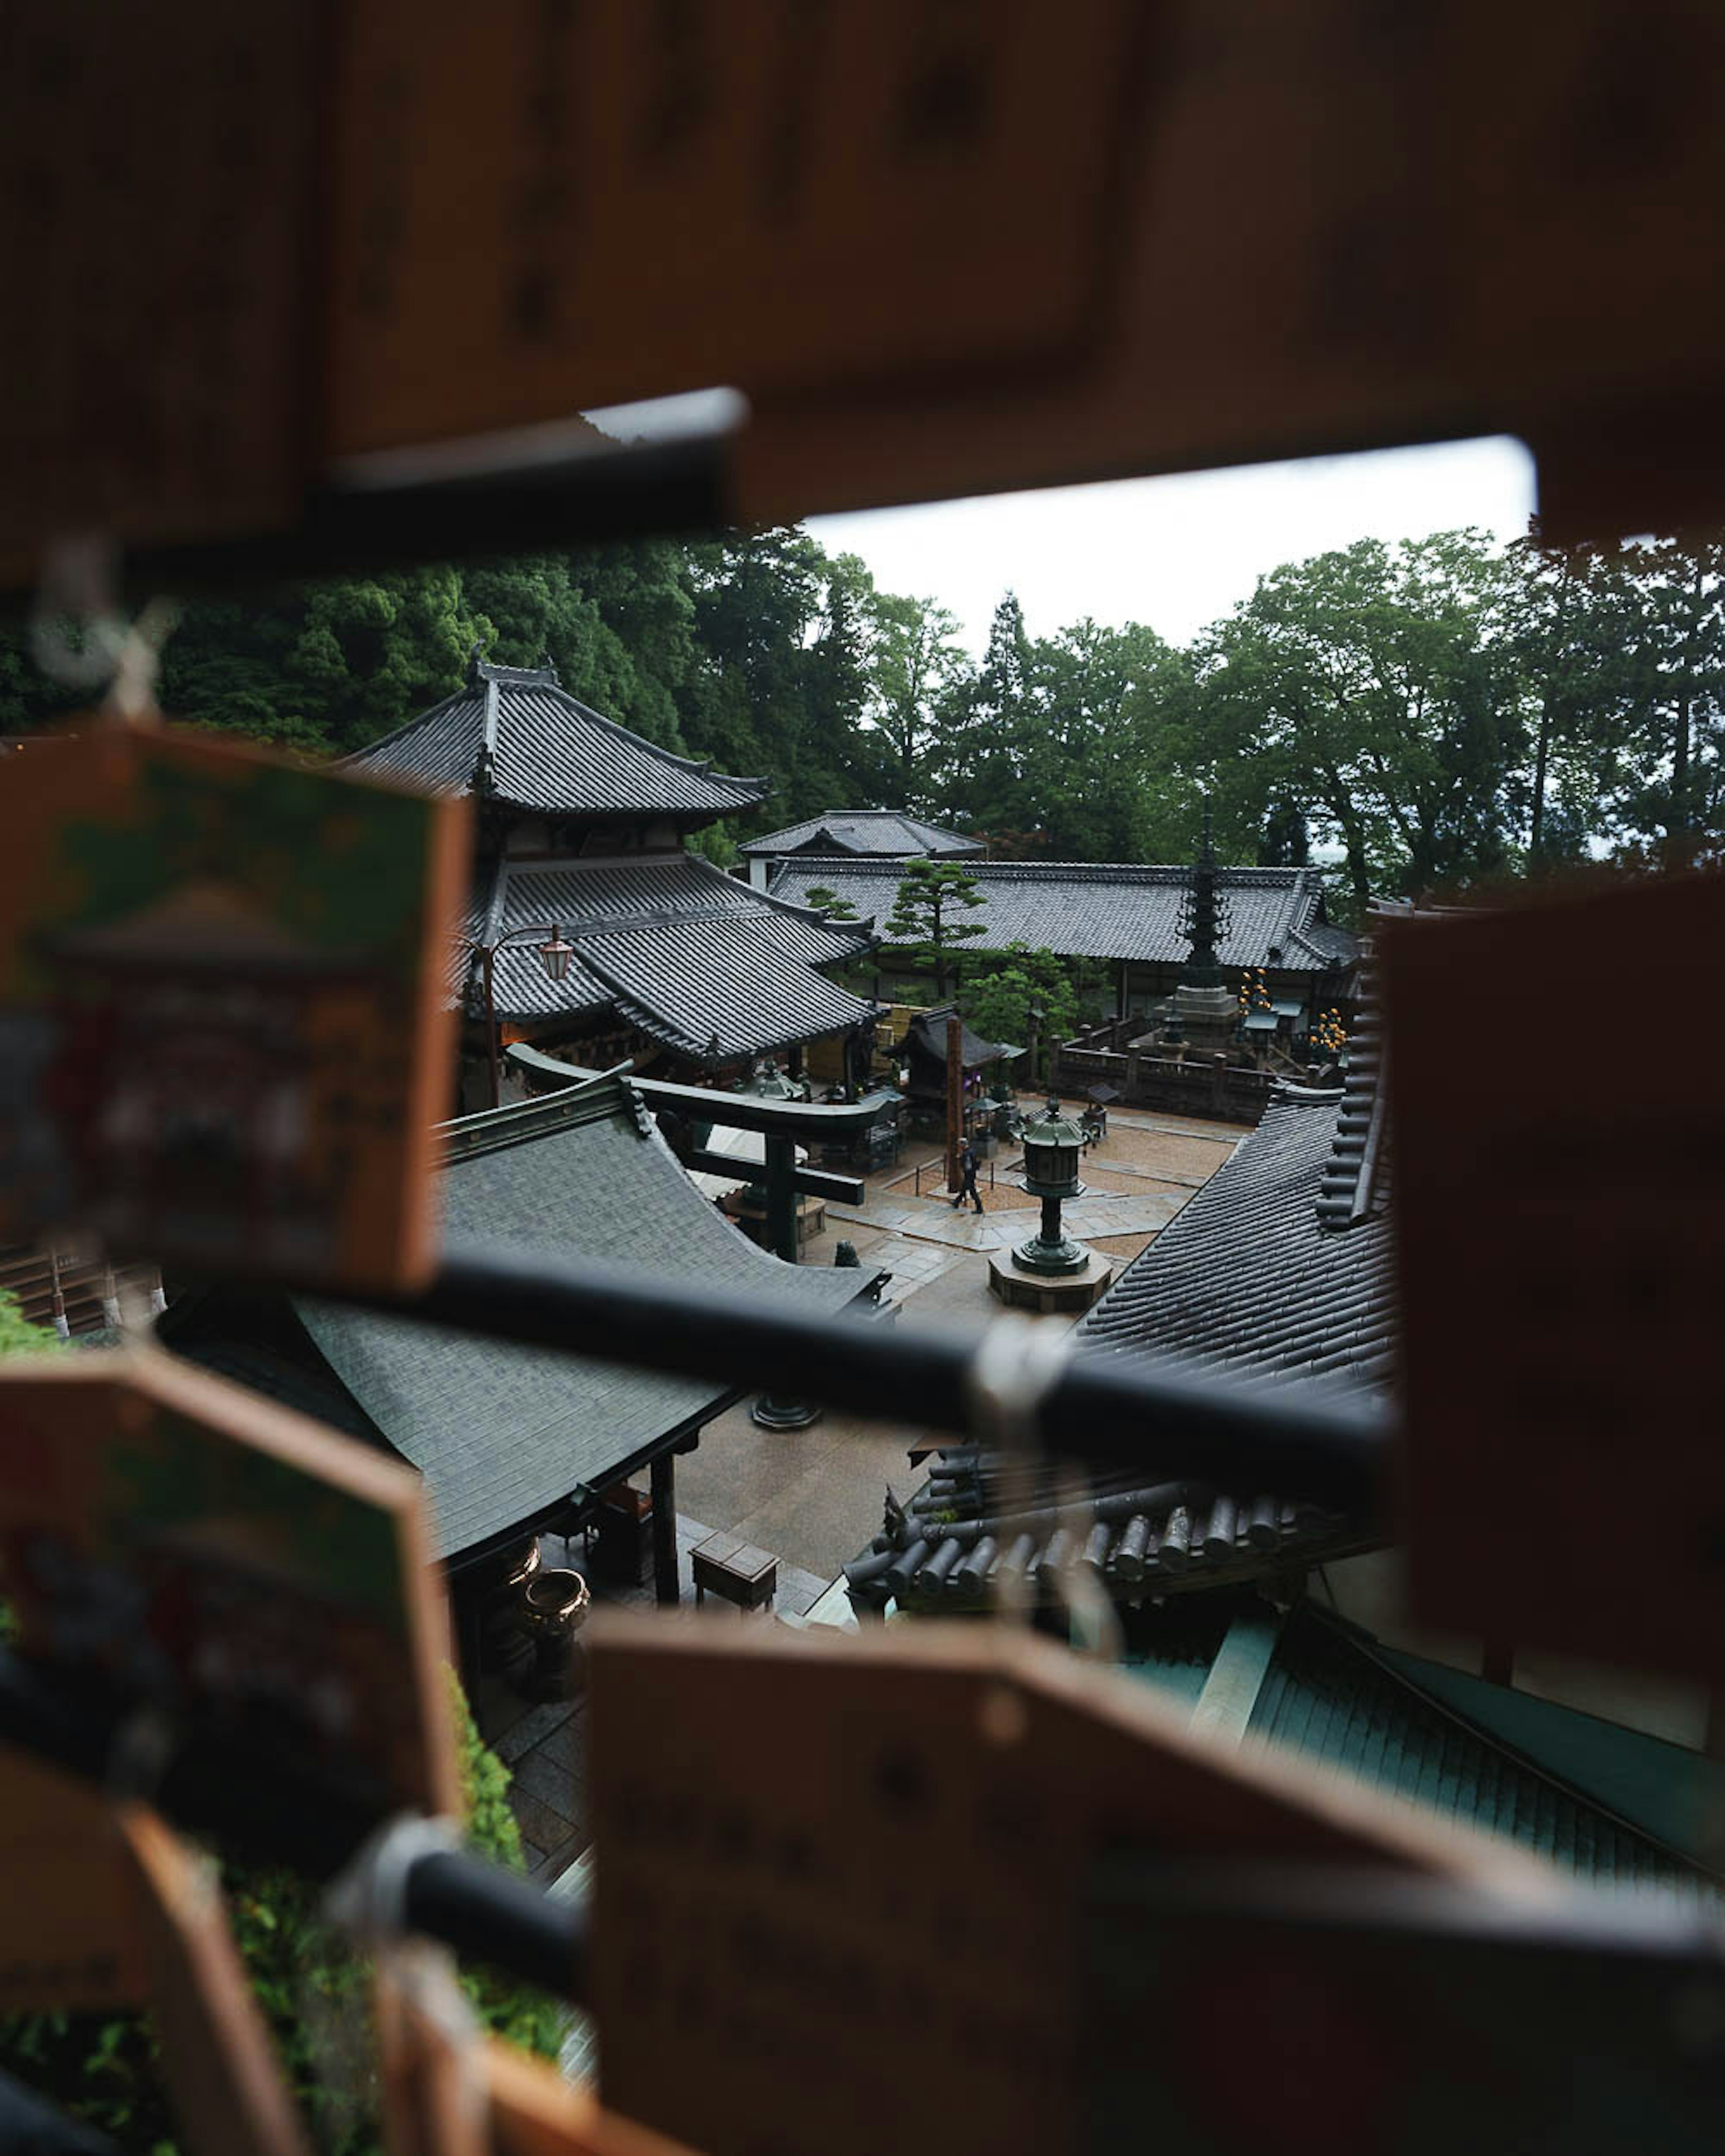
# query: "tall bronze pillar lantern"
1054,1146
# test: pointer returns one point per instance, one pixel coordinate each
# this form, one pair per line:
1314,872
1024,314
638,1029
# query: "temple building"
513,1441
880,834
1129,915
662,961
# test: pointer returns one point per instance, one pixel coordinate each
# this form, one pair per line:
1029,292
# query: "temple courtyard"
812,1497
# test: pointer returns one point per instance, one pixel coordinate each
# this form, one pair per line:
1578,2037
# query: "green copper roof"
1328,1694
1672,1794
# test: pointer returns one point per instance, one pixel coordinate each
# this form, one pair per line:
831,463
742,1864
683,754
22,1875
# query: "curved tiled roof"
886,832
949,1550
502,1432
514,734
1107,910
1245,1278
694,958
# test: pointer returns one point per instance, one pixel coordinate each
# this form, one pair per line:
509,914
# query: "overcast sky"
1177,553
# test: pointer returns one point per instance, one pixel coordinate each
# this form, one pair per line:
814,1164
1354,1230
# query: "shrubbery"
314,1992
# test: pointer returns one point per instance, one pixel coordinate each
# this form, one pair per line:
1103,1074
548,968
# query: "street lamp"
554,956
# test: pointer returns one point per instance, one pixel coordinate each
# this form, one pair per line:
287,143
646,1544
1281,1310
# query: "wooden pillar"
1498,1662
955,1098
664,1472
782,1197
465,1612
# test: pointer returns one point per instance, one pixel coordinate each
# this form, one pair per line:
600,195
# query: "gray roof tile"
502,1432
1106,910
880,831
1245,1278
550,753
692,957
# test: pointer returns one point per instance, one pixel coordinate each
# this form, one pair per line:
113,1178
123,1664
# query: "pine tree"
922,913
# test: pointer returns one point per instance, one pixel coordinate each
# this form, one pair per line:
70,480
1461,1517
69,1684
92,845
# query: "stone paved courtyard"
813,1497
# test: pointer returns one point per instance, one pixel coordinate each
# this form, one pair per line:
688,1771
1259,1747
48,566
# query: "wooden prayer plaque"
431,2066
228,2094
157,170
539,209
232,1564
535,2113
1559,1164
816,1856
71,1939
224,1035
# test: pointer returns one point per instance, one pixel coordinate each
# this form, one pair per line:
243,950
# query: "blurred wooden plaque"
158,367
233,1565
1559,1167
228,2095
817,1855
71,1941
224,1031
541,208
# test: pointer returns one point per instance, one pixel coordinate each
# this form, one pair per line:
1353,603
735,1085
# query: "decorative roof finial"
548,666
476,652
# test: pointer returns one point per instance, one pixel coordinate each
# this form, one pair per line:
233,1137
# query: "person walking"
967,1178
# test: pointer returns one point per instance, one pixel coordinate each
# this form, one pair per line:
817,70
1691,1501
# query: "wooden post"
663,1473
955,1098
1497,1662
782,1196
493,1063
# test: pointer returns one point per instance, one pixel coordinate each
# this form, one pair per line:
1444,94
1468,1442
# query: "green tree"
916,670
982,727
1025,990
1670,782
1377,686
1571,622
829,903
760,600
18,1335
715,843
1105,738
926,913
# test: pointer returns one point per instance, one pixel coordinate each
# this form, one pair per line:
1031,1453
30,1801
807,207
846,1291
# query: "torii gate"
780,1125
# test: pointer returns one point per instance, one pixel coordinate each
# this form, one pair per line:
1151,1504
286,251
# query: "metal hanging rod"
1099,1406
269,1809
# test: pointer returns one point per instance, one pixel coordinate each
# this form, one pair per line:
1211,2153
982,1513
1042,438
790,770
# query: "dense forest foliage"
1424,714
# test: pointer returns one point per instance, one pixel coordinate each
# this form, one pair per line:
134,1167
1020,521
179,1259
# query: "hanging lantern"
555,955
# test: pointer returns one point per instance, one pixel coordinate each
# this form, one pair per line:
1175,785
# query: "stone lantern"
1054,1146
1049,1272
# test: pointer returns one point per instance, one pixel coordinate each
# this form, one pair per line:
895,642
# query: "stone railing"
1184,1085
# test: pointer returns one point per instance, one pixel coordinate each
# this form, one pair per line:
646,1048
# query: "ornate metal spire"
1205,920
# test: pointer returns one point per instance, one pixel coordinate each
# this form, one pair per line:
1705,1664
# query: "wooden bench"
735,1570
